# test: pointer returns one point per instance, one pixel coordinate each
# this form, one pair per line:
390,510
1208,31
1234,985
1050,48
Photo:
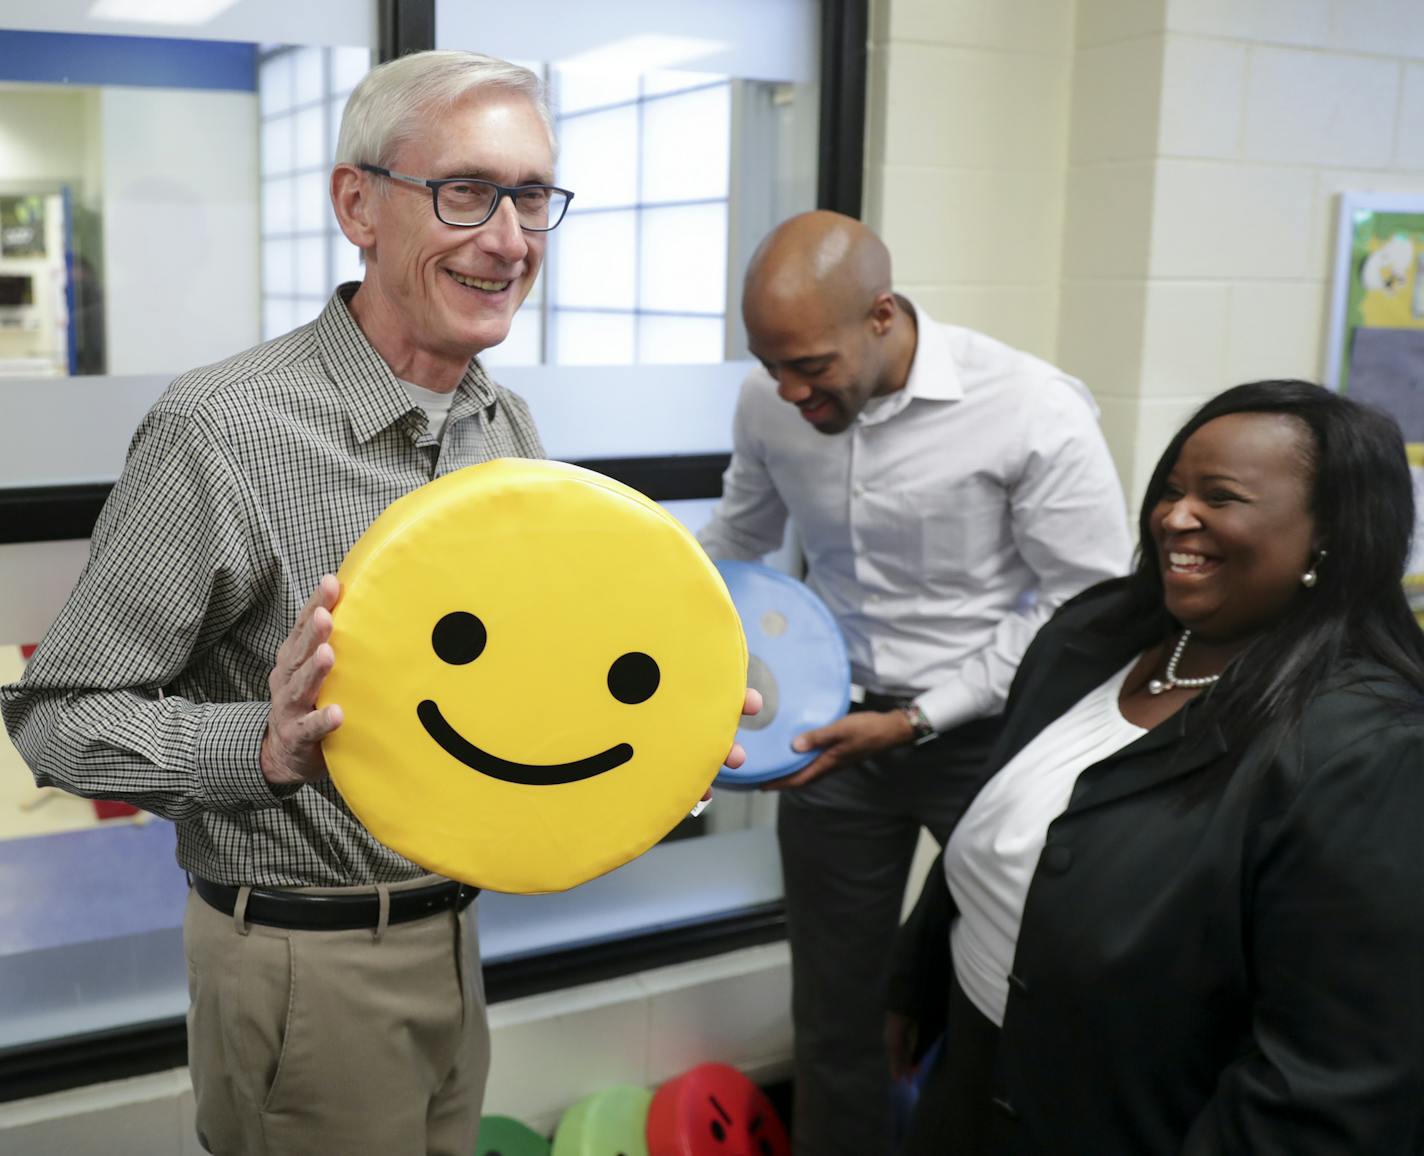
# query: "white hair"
395,100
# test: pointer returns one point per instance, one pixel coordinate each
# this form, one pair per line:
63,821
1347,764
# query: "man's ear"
352,197
883,312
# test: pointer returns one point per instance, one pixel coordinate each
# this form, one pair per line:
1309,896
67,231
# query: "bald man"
949,493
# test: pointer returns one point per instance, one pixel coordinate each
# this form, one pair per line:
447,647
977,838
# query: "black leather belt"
298,911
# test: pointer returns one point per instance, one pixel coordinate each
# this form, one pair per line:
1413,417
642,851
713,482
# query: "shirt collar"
375,398
932,376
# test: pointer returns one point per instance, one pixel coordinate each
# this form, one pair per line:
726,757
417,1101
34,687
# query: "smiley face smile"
458,639
453,743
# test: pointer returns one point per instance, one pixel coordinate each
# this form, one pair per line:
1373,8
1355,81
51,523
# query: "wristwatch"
924,729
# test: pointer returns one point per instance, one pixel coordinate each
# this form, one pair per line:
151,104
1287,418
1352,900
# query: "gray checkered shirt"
245,483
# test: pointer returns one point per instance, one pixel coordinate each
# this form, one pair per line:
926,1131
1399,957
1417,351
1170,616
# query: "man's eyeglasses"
467,202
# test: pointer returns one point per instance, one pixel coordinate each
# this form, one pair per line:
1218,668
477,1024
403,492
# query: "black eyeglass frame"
500,193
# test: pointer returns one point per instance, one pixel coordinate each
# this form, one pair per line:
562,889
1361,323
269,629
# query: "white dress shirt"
990,859
945,525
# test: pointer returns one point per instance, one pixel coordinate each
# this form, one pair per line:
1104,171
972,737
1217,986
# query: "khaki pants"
303,1043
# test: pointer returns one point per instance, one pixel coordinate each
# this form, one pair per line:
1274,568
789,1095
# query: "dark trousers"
847,841
954,1112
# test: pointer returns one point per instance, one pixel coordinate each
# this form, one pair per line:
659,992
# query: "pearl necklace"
1171,681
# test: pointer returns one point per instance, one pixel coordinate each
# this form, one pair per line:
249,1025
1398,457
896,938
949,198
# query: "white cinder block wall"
1269,109
1206,141
966,140
1103,319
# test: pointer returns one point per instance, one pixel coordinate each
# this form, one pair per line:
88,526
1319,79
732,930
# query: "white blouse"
992,854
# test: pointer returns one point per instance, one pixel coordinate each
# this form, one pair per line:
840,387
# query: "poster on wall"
22,226
1376,339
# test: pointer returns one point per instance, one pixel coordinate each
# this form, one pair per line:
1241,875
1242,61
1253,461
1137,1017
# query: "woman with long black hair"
1185,912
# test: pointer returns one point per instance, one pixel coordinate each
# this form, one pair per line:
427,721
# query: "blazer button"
1004,1108
1056,858
1016,982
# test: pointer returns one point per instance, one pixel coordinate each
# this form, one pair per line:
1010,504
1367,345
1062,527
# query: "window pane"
278,212
309,148
277,145
578,87
333,127
278,316
655,83
313,201
348,65
278,274
593,338
308,309
274,83
683,259
598,157
687,145
345,261
306,75
521,347
680,340
595,260
311,266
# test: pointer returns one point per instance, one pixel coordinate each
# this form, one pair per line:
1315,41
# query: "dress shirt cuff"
953,703
228,759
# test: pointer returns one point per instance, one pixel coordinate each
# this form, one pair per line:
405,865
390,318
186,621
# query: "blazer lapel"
1071,663
1171,750
1065,663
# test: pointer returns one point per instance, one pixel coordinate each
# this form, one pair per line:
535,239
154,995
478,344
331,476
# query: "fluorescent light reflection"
159,11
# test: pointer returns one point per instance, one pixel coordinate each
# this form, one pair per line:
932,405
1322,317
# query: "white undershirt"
436,404
990,858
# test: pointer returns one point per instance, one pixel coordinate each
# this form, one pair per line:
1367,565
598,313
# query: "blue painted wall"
136,61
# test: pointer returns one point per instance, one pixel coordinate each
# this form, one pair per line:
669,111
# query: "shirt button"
1056,859
859,491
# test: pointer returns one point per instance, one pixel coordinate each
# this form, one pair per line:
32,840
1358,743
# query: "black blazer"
1222,948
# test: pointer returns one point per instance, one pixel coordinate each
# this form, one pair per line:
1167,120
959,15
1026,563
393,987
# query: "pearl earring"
1309,578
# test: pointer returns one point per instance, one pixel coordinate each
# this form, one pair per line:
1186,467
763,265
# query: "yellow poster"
1377,335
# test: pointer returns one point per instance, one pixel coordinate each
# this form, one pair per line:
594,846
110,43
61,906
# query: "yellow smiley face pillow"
540,670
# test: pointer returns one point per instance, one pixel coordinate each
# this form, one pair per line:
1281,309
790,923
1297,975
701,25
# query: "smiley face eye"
719,1133
458,638
633,678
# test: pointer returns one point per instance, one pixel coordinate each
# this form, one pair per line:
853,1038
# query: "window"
640,275
302,91
197,194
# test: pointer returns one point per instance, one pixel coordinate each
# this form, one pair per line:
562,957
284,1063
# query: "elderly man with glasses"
337,1004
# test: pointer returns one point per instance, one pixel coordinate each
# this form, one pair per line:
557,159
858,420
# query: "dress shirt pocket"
958,533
